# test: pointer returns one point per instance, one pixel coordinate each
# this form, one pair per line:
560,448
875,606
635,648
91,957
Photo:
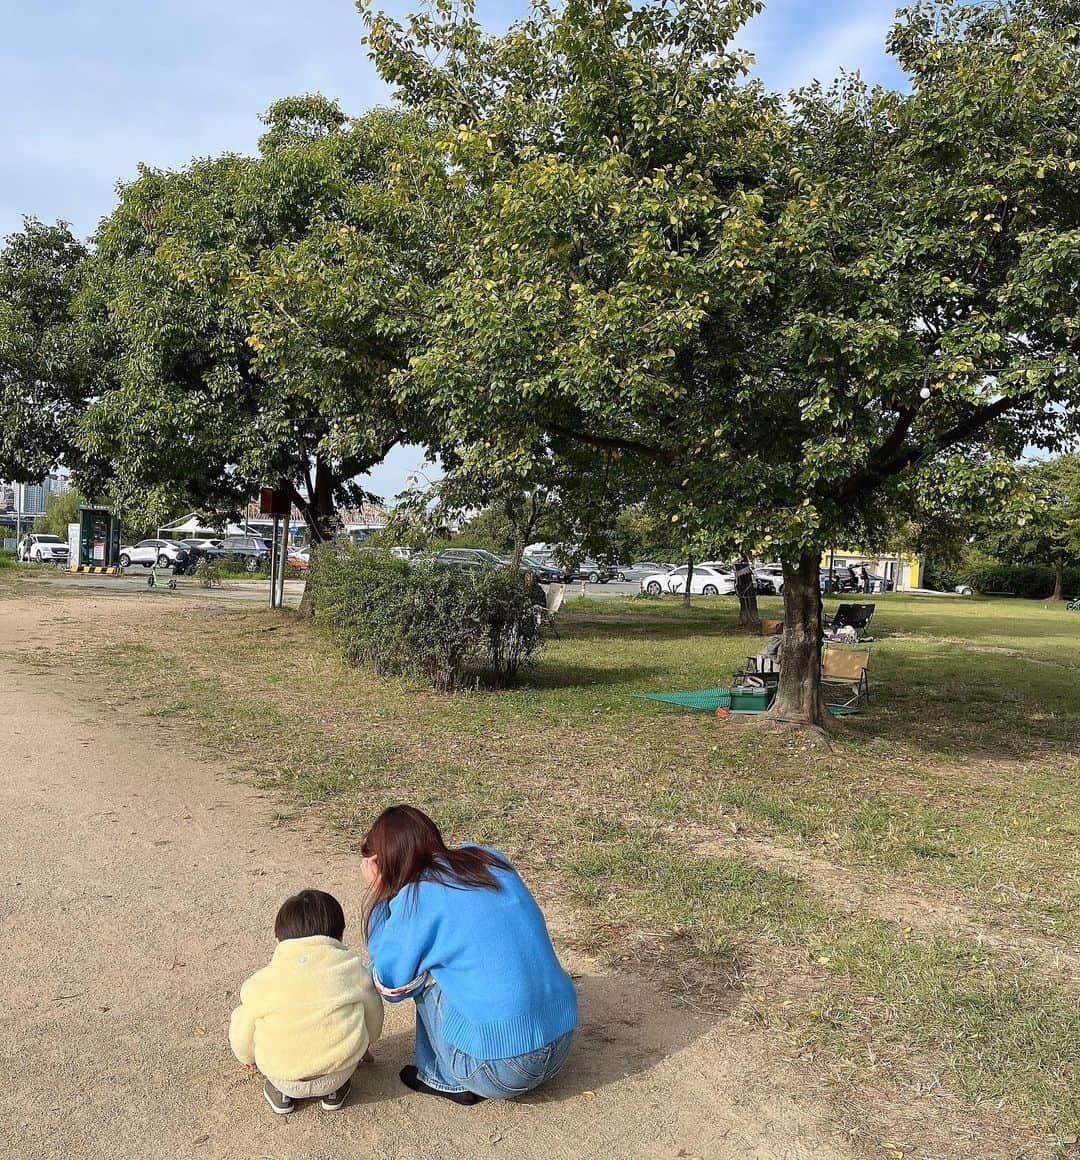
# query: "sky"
89,90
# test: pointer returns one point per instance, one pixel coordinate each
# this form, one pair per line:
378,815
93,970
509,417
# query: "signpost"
275,502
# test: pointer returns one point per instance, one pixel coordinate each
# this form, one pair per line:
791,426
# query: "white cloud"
795,43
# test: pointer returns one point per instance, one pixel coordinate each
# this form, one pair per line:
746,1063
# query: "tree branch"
888,465
612,443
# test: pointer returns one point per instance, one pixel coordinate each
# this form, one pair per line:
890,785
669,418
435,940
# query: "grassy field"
902,905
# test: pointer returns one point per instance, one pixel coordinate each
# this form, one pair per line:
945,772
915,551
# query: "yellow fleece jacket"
311,1011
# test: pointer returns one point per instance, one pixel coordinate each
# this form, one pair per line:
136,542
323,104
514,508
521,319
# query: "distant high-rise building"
29,498
7,497
33,498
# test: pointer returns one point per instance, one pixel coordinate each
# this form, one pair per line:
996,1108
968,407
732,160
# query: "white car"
41,548
708,580
770,580
164,553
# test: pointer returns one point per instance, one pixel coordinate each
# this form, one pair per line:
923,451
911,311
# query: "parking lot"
259,590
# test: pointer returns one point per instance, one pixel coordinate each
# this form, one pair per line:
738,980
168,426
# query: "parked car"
769,580
546,572
469,558
481,558
878,583
591,570
42,548
200,550
250,551
708,580
837,580
163,553
638,571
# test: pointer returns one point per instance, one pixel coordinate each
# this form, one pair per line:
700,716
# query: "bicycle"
1073,606
208,572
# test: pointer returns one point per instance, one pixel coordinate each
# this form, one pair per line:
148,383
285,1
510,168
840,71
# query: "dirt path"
137,889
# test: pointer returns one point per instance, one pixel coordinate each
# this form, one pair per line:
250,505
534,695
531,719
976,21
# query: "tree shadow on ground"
638,627
568,675
948,707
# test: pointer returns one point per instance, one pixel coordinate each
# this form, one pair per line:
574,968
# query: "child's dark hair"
311,912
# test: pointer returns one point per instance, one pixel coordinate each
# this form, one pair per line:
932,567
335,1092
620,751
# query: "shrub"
455,627
1035,581
940,577
208,571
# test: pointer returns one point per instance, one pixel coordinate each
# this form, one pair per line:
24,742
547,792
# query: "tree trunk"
746,590
320,515
799,698
689,577
1059,579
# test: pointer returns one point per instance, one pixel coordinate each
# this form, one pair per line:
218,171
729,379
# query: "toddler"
308,1018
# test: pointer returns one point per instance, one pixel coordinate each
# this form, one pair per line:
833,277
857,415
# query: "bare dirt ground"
139,885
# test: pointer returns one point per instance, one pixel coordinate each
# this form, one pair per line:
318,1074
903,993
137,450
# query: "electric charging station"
94,542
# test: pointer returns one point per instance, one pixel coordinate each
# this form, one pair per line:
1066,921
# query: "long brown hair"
409,849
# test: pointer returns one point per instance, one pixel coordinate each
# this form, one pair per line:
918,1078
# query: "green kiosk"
94,542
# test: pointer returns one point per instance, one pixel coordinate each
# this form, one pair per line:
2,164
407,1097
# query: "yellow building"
901,572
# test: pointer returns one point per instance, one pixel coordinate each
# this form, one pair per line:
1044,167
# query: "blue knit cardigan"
504,991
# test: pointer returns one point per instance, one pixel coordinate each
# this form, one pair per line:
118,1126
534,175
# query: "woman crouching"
458,932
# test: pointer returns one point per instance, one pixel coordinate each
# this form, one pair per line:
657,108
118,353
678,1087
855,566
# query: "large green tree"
61,509
43,381
775,312
254,309
1045,527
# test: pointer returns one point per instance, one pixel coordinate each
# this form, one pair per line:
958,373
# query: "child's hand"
367,1057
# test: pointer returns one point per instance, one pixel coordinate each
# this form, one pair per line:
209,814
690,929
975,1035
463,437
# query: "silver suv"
252,551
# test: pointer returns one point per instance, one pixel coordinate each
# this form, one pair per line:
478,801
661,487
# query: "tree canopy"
61,509
42,378
775,311
1045,528
254,309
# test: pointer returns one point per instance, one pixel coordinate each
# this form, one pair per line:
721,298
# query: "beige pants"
309,1089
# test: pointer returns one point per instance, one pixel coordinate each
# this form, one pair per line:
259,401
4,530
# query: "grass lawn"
904,903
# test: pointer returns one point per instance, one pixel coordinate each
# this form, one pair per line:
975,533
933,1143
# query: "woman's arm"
401,945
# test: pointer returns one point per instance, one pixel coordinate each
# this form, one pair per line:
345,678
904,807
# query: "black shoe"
280,1104
411,1079
335,1100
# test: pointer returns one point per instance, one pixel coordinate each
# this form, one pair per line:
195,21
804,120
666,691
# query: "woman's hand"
367,1057
251,1068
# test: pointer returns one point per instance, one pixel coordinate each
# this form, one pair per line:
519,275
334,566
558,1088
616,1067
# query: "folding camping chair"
846,670
763,669
856,616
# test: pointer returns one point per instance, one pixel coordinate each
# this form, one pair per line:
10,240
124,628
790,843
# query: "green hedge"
457,628
1035,581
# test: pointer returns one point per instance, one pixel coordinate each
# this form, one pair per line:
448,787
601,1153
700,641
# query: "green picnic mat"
708,699
712,699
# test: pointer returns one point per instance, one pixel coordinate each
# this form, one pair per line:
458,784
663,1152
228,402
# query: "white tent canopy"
192,525
195,526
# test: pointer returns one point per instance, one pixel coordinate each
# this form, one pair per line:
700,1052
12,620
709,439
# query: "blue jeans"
443,1066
